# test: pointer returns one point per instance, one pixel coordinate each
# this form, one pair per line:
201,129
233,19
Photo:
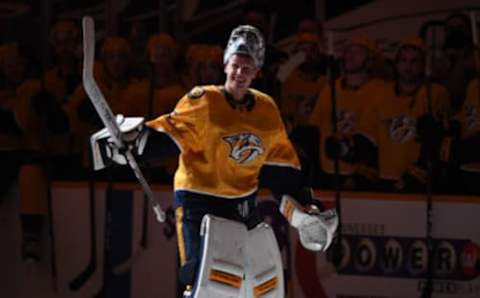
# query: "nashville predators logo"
401,128
472,119
346,122
244,147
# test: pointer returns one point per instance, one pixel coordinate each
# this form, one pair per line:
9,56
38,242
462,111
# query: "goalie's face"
240,71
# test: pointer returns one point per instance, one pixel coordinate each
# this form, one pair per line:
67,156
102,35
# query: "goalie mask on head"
246,40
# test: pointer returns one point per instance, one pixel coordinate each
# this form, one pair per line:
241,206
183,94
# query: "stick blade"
79,281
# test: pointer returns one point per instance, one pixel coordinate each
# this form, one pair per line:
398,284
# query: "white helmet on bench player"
247,40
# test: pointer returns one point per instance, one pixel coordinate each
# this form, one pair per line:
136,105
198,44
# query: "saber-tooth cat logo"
244,147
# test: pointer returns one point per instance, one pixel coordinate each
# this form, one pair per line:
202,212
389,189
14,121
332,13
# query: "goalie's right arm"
144,142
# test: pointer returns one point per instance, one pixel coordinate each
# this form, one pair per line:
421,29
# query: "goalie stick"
336,254
106,114
128,263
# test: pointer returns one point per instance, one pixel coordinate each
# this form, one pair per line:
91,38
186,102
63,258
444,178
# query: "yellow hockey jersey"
224,146
31,135
470,118
470,114
19,102
391,124
299,94
351,105
21,121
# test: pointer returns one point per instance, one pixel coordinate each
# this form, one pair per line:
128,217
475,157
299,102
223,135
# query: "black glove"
414,180
304,196
341,149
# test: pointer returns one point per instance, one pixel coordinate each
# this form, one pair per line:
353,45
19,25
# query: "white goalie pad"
264,270
131,128
221,272
316,229
237,262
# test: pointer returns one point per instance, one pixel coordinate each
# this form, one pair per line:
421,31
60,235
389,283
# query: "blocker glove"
134,137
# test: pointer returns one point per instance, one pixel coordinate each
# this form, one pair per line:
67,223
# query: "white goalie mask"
246,40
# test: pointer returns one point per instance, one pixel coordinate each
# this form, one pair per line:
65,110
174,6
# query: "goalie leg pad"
264,274
221,272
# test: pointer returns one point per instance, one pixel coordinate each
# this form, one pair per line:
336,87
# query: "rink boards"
383,243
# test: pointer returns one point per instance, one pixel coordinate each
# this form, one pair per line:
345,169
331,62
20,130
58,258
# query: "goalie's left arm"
282,173
316,225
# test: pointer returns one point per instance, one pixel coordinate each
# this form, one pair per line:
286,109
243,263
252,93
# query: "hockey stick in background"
476,50
337,254
107,238
106,114
79,281
51,231
56,123
428,289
